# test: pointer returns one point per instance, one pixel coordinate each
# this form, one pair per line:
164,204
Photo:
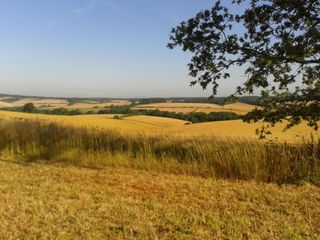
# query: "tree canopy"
29,108
275,42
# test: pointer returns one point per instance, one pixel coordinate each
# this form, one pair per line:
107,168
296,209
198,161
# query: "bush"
29,108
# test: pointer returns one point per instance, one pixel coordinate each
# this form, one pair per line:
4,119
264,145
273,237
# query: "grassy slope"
39,201
239,108
172,127
146,124
102,105
238,128
57,103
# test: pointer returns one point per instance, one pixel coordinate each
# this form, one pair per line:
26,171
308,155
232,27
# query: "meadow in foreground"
203,156
41,201
63,182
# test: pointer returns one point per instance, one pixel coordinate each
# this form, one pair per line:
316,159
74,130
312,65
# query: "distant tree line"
30,108
60,111
193,117
253,100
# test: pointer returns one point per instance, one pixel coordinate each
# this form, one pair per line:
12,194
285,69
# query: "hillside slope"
239,108
169,126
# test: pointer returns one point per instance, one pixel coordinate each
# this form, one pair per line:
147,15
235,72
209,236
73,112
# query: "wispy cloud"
112,6
91,6
83,10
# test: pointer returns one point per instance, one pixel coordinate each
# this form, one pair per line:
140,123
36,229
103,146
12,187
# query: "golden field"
38,102
239,108
168,126
154,178
136,124
50,103
59,103
99,105
56,201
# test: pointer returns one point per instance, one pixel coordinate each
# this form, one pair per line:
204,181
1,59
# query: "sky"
96,48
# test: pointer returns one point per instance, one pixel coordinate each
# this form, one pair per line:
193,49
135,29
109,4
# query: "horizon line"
120,98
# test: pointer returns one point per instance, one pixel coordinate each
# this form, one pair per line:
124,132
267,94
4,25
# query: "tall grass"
208,157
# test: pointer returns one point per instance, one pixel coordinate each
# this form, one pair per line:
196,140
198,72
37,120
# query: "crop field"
171,127
239,129
11,102
6,98
239,108
143,177
99,105
135,124
90,105
5,104
56,103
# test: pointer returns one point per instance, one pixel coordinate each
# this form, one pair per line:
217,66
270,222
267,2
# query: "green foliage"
10,99
29,108
60,111
117,110
152,100
194,117
90,112
276,42
229,100
116,117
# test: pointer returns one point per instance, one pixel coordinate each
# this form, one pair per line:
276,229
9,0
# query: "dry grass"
39,201
56,103
61,182
208,157
238,128
180,105
157,121
171,127
239,108
5,104
137,124
99,105
62,103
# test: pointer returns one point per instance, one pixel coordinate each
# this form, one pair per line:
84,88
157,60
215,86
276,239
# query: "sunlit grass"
213,157
175,128
238,108
54,201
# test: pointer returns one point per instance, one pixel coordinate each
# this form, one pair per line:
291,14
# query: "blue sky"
95,48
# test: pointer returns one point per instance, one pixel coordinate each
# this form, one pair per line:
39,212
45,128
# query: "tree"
275,42
29,108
